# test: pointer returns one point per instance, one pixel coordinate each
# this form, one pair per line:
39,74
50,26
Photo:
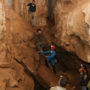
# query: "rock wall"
2,20
72,22
10,77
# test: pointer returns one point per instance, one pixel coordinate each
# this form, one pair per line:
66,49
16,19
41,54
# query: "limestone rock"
72,21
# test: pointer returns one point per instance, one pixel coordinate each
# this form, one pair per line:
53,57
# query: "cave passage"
67,28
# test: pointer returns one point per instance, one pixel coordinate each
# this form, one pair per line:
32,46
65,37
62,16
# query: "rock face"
10,77
72,22
2,20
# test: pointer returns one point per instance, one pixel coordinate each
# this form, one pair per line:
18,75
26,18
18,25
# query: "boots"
54,70
47,64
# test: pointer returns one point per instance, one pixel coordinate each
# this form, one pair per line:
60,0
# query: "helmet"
82,65
53,47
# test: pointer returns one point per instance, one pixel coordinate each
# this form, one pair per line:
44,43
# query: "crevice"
38,85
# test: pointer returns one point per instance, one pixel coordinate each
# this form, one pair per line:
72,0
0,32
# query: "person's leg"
47,61
32,19
54,70
53,66
84,88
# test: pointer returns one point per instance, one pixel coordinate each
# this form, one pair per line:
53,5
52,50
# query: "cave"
63,23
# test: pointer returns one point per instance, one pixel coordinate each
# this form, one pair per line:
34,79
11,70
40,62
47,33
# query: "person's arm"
46,52
52,55
29,4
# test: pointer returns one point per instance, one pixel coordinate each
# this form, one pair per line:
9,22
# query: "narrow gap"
38,86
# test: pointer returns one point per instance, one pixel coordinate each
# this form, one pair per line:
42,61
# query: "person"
41,40
62,84
83,69
88,85
32,9
83,80
51,57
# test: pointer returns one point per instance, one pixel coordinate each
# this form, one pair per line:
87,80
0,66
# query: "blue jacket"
51,55
32,7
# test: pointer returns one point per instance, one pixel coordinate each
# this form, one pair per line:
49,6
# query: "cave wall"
9,3
73,27
2,20
10,77
2,31
71,22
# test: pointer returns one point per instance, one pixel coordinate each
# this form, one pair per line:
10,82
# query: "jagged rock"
72,27
10,77
13,83
3,84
